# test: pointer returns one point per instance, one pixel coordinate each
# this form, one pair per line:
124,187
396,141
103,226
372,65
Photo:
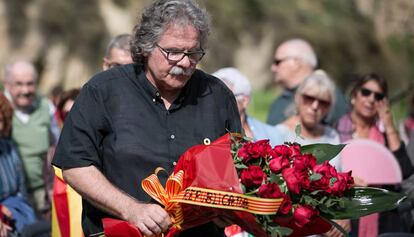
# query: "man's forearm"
92,185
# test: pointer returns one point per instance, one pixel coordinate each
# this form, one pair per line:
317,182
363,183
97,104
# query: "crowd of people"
150,103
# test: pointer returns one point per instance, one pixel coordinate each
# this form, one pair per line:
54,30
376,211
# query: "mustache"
178,71
28,95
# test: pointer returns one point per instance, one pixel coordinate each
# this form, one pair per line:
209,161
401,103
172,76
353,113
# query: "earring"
352,101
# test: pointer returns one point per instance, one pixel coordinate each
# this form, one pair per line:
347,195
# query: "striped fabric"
66,209
11,170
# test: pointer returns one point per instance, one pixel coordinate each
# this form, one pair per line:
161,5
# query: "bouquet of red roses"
268,191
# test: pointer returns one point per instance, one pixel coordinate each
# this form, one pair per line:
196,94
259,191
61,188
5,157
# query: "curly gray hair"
158,17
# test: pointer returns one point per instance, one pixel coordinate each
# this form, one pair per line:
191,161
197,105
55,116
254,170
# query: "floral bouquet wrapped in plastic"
286,190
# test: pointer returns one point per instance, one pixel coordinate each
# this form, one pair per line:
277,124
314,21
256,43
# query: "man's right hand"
88,181
151,219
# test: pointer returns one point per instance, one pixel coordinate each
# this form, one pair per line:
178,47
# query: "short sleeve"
80,143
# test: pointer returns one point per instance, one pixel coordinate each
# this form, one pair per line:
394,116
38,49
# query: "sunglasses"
308,100
367,92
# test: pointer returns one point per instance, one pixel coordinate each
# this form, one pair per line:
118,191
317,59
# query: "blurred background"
66,39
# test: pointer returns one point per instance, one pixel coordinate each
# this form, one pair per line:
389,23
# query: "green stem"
252,192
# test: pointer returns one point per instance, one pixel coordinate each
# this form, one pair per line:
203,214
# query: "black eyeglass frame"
184,53
365,92
279,61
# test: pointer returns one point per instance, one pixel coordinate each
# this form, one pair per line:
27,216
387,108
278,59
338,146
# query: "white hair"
320,83
301,49
235,80
19,66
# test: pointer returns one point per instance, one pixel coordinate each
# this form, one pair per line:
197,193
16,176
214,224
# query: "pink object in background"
371,161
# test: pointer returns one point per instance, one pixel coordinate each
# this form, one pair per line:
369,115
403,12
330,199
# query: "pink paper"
371,161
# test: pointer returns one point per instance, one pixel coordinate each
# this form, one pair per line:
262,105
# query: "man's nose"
184,62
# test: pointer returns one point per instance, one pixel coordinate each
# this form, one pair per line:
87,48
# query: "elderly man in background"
240,85
118,52
34,128
131,119
294,60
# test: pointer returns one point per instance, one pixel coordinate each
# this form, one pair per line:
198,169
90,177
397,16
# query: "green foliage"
260,103
323,152
364,201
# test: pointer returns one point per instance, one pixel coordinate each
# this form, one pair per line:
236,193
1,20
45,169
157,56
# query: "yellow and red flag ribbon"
153,187
174,194
66,209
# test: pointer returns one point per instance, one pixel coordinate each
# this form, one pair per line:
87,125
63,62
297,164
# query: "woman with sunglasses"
371,118
313,100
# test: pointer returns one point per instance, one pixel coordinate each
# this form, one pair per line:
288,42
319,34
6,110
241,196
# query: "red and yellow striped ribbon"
228,200
153,187
173,194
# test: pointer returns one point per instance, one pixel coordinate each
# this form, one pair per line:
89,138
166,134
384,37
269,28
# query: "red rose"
296,179
270,190
255,150
304,162
303,215
277,164
292,182
244,154
253,176
327,172
343,182
325,169
282,150
286,204
261,148
295,149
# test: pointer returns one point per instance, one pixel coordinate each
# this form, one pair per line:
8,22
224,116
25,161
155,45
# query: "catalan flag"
66,209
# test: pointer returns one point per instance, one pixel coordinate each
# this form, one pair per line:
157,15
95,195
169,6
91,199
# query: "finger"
162,218
153,227
144,230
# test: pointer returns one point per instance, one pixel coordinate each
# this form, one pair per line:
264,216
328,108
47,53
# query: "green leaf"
315,177
284,231
364,201
322,151
241,166
298,130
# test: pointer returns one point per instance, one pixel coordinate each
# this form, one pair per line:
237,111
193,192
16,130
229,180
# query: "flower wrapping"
266,191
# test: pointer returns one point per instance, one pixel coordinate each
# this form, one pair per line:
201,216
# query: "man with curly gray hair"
133,118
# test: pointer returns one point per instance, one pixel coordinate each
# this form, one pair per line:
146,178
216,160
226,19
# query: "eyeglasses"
276,62
175,56
367,92
308,100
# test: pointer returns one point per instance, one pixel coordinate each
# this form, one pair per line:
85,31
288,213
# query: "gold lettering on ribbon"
228,200
173,195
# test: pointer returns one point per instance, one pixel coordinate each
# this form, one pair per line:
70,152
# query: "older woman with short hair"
313,100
